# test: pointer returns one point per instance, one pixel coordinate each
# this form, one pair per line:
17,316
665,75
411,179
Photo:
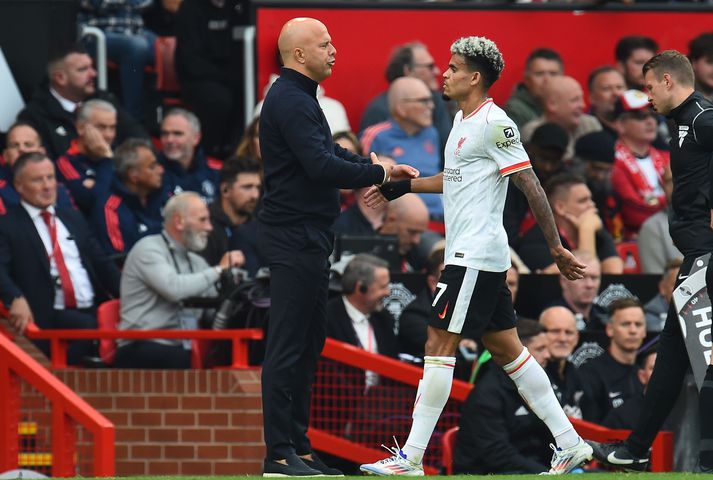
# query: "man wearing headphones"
161,272
358,316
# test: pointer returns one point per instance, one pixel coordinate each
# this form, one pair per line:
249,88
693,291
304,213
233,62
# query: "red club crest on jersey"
460,144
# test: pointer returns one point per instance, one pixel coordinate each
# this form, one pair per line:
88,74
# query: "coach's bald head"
305,46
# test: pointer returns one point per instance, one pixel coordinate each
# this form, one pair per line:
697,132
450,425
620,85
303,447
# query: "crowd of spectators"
83,187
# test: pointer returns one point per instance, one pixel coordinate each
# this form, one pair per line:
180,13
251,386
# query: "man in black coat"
358,316
304,170
52,110
52,270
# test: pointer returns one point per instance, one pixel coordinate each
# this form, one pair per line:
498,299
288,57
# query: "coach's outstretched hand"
569,266
396,172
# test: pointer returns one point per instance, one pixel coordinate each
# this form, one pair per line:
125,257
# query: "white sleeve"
502,144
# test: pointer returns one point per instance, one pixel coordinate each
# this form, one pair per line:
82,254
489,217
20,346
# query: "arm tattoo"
527,181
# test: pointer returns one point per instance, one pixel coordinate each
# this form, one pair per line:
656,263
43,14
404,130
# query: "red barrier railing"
349,420
67,408
59,340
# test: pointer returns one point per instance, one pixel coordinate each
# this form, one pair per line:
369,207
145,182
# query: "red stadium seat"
108,315
448,444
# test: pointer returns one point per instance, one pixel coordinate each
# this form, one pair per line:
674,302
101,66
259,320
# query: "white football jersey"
482,150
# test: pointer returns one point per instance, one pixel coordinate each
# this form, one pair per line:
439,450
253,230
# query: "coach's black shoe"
318,464
617,455
295,467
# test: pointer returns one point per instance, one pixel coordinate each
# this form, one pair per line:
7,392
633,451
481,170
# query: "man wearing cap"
545,149
596,152
637,175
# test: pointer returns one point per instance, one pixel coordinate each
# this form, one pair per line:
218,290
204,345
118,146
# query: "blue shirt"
419,150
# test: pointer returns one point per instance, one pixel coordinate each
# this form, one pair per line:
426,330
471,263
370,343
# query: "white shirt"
365,335
652,176
83,291
482,150
68,105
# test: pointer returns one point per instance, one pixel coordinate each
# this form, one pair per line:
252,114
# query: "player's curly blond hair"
480,54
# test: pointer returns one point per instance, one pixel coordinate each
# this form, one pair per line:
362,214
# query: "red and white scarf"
626,157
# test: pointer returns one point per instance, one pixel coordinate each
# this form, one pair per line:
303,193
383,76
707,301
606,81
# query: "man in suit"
52,109
52,271
358,316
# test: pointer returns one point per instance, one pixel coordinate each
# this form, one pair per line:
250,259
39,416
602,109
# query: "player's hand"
374,198
19,314
395,172
569,266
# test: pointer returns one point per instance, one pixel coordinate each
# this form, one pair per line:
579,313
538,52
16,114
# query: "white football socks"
534,387
432,395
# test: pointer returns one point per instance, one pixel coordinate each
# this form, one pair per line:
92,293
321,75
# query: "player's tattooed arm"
528,183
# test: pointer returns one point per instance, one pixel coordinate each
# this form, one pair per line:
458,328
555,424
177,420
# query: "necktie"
67,288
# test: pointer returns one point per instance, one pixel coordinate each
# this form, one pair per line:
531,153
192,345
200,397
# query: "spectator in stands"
160,17
186,165
414,317
596,152
358,218
231,213
408,135
512,280
64,291
627,415
579,226
161,272
656,246
498,431
211,82
606,84
128,43
22,138
579,296
412,60
131,209
87,168
700,52
546,150
656,309
637,176
563,101
562,337
631,53
611,378
407,218
53,107
358,316
526,102
249,145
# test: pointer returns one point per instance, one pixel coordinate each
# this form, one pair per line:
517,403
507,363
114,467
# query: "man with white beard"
160,272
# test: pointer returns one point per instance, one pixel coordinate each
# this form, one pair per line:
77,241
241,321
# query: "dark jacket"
25,268
204,40
74,168
498,432
56,125
201,177
339,327
413,324
119,219
609,384
691,154
303,167
226,236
